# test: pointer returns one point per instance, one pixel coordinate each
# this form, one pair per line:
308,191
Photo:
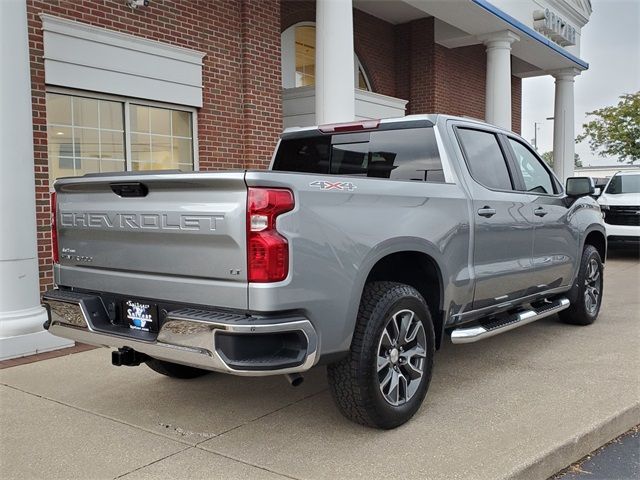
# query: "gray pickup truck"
362,248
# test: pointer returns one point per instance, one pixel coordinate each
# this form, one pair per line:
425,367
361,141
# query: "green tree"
615,130
548,158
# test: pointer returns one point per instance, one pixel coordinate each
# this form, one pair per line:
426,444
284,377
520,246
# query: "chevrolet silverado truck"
620,205
362,248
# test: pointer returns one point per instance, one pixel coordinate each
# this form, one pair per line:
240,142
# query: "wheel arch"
597,237
413,262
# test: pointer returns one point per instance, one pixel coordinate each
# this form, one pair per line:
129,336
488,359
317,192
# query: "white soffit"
78,55
392,11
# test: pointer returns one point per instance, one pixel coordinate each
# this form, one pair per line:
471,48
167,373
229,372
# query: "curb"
548,463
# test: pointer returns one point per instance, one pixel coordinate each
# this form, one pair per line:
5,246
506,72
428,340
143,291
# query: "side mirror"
597,192
580,186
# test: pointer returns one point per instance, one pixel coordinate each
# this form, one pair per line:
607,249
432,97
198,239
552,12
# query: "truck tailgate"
174,236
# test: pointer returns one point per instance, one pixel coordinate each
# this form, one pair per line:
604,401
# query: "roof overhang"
464,22
533,47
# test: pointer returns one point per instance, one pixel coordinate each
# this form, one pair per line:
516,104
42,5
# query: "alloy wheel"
401,357
592,286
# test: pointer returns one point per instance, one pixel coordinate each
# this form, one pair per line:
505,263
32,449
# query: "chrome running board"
494,327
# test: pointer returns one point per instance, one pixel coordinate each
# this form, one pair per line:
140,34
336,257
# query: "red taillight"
267,250
54,229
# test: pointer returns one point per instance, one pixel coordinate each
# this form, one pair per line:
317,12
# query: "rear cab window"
396,154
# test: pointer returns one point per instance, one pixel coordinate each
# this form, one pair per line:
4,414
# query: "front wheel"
385,377
586,294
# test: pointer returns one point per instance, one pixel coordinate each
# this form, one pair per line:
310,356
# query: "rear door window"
485,159
403,154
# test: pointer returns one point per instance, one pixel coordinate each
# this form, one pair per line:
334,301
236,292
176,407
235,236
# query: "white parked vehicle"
620,204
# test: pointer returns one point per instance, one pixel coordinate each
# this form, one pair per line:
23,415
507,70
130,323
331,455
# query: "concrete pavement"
520,405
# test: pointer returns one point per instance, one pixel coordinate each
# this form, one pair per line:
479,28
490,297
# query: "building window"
160,139
299,58
93,135
85,135
305,55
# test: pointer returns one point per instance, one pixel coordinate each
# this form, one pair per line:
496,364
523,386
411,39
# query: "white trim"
118,98
127,137
359,68
380,99
84,57
194,131
298,105
72,28
62,125
574,12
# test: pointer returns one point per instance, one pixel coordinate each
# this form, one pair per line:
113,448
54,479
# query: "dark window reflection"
405,154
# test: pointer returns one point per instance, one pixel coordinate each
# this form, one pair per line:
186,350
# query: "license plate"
140,315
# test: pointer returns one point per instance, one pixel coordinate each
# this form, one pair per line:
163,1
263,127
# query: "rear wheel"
175,370
586,294
385,377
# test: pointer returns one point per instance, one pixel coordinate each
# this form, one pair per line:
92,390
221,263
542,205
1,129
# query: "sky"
611,47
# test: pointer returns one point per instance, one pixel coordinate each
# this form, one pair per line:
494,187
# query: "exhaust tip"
295,379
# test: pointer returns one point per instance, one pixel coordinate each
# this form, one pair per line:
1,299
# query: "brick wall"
261,80
444,80
460,80
374,45
296,11
416,72
241,117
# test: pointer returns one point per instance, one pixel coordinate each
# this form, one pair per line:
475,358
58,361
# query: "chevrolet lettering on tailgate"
149,221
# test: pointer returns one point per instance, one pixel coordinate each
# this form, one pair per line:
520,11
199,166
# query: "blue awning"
530,32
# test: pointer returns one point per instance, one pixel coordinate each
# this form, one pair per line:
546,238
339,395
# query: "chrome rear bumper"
187,336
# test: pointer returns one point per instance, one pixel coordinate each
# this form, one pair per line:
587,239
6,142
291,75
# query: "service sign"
551,25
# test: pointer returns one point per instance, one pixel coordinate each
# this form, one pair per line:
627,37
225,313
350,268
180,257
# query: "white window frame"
127,101
288,48
358,67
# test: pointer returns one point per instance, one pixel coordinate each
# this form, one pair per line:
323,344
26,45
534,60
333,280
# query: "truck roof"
432,118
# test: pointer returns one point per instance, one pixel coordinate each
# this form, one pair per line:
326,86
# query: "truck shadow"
623,252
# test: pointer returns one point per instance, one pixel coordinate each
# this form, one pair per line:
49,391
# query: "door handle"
539,212
487,211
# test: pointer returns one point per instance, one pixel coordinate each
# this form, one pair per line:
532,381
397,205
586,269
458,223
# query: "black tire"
582,311
356,382
175,370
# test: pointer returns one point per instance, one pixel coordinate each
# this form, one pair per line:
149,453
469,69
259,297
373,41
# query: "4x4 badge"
325,185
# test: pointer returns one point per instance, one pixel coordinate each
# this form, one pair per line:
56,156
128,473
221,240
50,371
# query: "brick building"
206,85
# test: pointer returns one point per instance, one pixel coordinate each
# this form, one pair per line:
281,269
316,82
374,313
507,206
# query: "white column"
335,88
498,80
564,140
21,315
288,58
